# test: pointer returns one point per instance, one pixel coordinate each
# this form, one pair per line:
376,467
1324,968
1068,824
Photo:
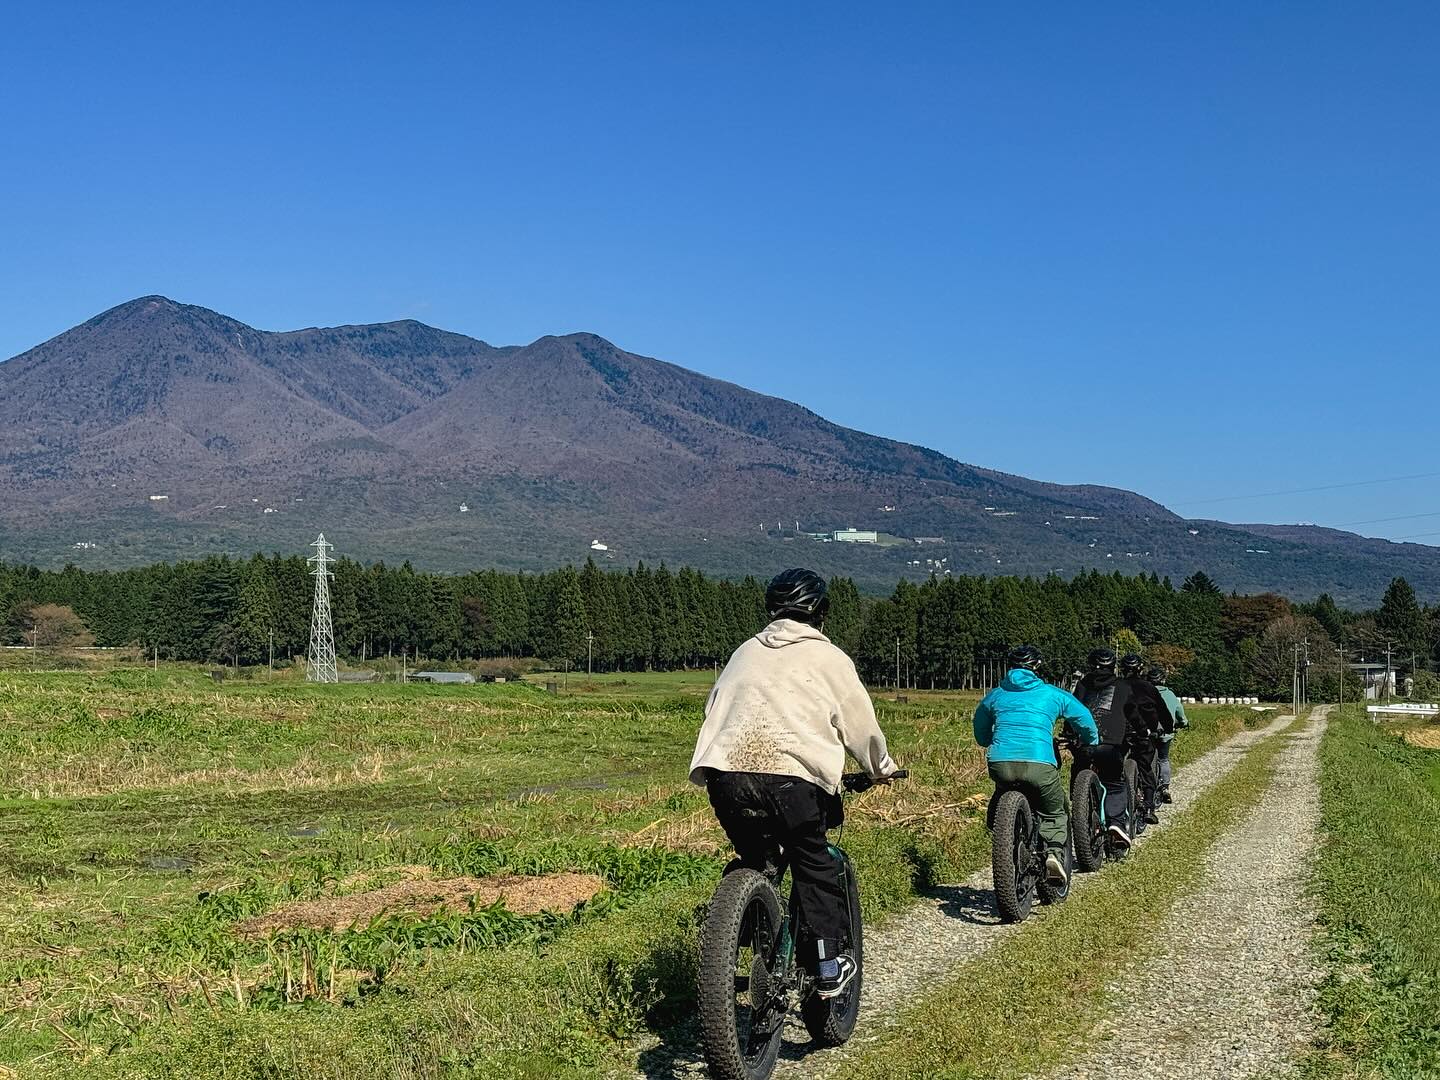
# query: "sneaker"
1150,818
1165,796
828,987
1055,872
1119,835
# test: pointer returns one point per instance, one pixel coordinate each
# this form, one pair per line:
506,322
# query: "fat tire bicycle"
749,980
1017,858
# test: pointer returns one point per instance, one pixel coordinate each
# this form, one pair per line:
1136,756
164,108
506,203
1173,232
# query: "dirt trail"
943,930
1235,979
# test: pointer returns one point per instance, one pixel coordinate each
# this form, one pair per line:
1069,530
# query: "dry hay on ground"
521,895
697,832
1427,737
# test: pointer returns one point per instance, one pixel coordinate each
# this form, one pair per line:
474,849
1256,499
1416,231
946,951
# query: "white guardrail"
1404,708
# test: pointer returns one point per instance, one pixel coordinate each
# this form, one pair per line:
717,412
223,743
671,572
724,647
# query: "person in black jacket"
1110,701
1152,720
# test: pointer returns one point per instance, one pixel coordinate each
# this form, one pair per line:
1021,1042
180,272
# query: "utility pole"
1295,681
897,663
1389,648
272,655
1305,674
590,654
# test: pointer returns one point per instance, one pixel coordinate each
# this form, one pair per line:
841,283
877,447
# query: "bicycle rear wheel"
1132,782
741,984
1012,857
1087,820
831,1021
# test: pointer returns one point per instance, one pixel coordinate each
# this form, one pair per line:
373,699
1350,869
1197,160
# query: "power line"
1379,521
1308,490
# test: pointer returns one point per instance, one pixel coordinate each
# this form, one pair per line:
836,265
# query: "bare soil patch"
521,895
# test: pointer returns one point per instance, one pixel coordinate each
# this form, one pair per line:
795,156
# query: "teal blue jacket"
1016,721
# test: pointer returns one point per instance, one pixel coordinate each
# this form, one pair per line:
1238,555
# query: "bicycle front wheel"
741,984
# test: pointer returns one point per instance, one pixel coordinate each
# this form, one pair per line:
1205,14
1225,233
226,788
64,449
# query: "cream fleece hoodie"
789,702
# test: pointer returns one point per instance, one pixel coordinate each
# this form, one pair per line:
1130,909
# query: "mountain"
159,430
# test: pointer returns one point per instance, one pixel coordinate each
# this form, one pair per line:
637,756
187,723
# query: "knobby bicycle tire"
745,905
1011,851
1087,816
831,1021
1132,782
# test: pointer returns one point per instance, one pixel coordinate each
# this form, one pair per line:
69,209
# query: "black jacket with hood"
1125,710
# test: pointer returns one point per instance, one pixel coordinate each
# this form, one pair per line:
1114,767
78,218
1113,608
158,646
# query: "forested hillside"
950,631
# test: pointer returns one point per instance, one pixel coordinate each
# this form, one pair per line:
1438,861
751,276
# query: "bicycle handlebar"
858,782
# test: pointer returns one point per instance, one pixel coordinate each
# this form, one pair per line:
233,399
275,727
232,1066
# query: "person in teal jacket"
1016,724
1178,719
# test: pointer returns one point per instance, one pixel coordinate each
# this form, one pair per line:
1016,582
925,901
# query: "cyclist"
1016,723
771,753
1154,721
1117,716
1178,720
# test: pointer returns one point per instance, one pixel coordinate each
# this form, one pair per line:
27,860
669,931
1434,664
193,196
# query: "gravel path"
1236,979
942,930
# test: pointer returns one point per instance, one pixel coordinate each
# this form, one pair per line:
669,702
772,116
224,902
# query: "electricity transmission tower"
320,665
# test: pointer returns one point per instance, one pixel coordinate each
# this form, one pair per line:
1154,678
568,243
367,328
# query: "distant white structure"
269,509
464,509
320,666
855,536
596,545
159,498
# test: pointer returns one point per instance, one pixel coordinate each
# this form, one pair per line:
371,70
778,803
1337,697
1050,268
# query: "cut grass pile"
421,894
1378,881
147,816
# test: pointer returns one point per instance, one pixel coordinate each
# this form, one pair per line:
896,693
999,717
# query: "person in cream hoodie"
771,753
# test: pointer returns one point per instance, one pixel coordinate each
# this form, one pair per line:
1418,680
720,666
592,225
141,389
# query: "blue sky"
1185,249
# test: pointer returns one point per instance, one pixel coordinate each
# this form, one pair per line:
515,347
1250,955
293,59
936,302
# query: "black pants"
1108,761
1147,775
775,821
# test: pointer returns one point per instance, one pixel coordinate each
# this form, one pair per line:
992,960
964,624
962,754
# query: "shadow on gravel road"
970,905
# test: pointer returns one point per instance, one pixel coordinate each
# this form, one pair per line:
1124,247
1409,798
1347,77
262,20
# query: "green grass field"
1378,883
144,817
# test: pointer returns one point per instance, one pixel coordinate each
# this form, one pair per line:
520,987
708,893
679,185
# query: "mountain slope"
377,434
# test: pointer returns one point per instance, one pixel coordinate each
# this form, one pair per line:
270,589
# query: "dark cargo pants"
765,815
1042,785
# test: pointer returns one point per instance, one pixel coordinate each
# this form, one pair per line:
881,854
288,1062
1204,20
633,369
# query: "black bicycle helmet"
1024,656
1156,675
1132,665
1101,660
798,594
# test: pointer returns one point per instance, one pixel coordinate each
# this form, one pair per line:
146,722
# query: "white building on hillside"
855,536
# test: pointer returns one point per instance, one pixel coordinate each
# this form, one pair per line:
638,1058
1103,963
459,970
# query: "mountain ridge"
378,432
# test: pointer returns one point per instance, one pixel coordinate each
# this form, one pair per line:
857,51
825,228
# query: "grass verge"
1019,1006
1378,881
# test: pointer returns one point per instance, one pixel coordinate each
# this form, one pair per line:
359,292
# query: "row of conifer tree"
945,632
